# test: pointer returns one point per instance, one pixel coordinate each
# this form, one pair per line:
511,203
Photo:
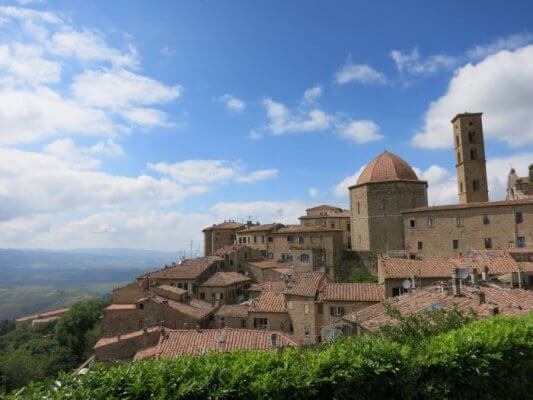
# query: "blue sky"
135,124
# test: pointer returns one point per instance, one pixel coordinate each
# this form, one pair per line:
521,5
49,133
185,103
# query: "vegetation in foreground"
489,359
26,355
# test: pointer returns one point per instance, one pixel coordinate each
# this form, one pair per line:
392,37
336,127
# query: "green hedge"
490,359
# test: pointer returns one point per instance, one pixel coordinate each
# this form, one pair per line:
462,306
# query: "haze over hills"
36,280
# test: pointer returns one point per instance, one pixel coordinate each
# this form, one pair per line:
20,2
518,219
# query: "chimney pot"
274,339
485,273
456,289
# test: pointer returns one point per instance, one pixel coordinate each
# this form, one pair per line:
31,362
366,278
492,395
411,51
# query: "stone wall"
125,347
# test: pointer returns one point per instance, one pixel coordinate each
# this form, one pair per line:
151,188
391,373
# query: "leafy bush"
487,359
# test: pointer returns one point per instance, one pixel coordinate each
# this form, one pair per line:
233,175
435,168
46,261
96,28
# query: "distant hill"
38,280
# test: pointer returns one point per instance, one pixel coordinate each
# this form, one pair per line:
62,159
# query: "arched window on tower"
473,154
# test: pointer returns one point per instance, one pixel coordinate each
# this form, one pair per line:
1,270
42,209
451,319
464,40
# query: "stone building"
385,188
470,158
225,288
519,188
219,235
452,230
232,316
332,217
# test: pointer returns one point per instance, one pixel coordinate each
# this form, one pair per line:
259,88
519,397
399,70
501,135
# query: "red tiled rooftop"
195,309
484,204
225,225
175,343
306,283
233,310
269,302
275,286
364,292
172,289
53,313
187,269
225,279
120,307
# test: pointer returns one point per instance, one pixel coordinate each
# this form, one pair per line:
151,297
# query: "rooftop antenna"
191,248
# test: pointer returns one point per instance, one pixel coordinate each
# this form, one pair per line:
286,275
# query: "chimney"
456,288
249,223
473,276
520,286
274,339
485,273
481,297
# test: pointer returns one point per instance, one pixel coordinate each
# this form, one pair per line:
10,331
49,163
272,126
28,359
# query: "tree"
75,328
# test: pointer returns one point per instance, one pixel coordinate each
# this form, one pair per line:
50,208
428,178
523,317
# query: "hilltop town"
268,286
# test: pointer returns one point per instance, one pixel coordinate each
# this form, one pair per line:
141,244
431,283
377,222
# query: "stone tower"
386,187
470,158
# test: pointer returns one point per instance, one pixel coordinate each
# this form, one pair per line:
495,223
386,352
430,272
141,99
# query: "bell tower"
470,158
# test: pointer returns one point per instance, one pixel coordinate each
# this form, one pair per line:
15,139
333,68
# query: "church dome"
387,167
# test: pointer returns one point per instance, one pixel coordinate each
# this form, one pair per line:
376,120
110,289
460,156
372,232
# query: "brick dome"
387,167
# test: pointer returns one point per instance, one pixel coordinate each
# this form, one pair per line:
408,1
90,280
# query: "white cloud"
33,183
501,86
31,115
414,63
341,189
255,135
312,94
262,211
359,73
232,103
26,14
282,121
145,116
510,42
210,171
121,88
88,45
82,157
28,64
362,131
314,192
26,2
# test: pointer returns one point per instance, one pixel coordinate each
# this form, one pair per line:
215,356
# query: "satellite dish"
406,284
463,273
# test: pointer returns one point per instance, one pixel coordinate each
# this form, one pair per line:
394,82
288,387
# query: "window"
455,244
460,187
488,243
306,330
457,140
475,185
458,157
348,227
202,295
519,218
240,240
232,236
255,239
486,219
412,223
431,222
270,239
336,310
141,306
231,263
262,239
521,241
460,221
420,245
300,239
270,255
243,323
510,244
304,258
358,208
471,137
319,308
396,291
263,253
289,239
261,323
306,308
473,154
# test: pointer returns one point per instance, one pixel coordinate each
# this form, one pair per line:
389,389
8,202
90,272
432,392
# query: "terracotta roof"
405,268
259,228
509,302
120,307
229,249
305,229
225,279
234,310
53,313
267,264
115,339
442,267
273,286
195,309
224,225
471,205
172,289
269,302
387,167
326,207
306,283
352,292
343,214
175,343
187,269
